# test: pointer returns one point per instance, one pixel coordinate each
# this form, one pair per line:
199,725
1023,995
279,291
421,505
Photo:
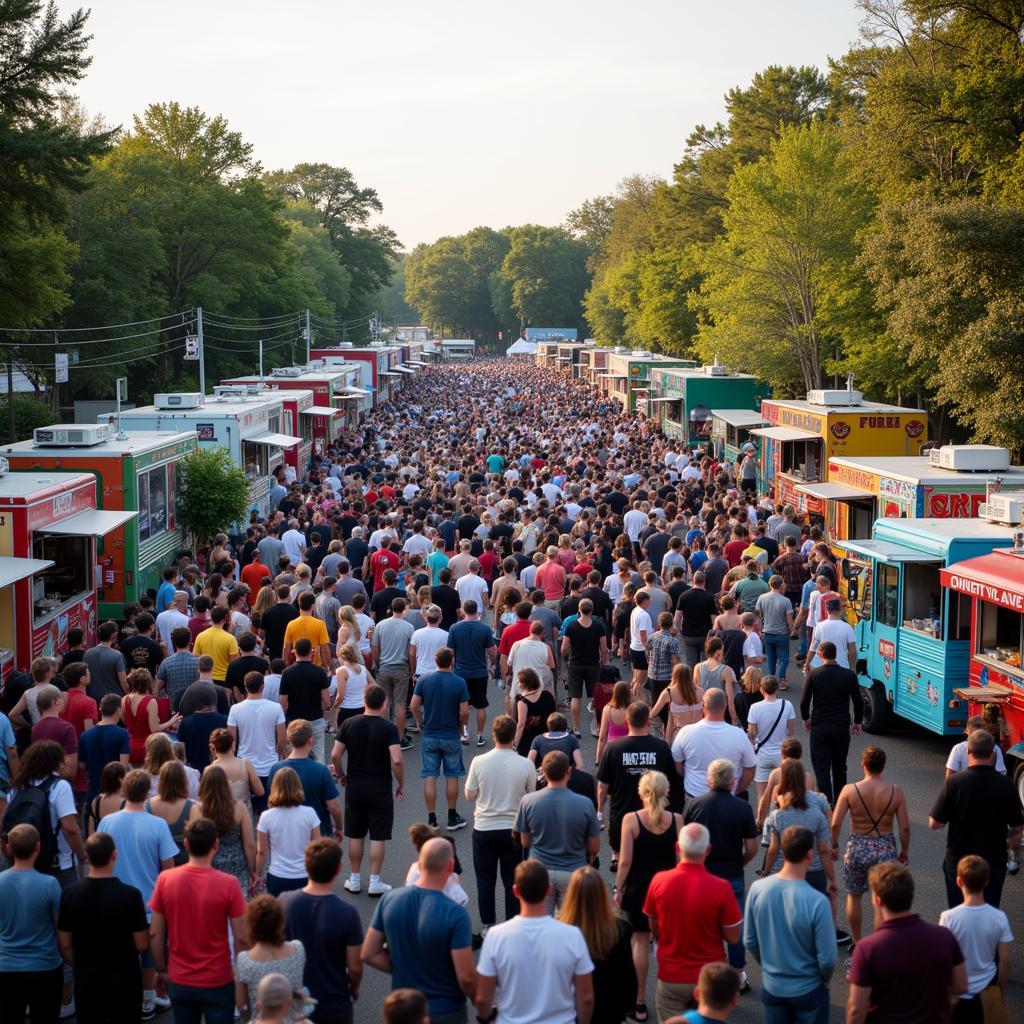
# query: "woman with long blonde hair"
353,678
647,846
237,852
749,694
588,907
349,631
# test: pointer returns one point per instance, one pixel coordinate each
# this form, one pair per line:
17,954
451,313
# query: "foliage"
390,299
214,493
777,276
29,413
547,275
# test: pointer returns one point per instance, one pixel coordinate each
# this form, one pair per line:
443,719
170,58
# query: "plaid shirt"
792,567
177,673
661,646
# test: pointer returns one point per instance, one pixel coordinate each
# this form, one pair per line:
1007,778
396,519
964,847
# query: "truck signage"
986,591
887,649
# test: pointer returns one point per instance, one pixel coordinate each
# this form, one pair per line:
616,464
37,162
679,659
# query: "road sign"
61,368
192,347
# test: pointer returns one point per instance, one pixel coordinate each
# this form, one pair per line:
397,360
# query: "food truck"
592,362
49,527
628,374
458,348
250,427
950,482
136,472
992,588
913,634
682,400
376,381
804,436
317,407
731,433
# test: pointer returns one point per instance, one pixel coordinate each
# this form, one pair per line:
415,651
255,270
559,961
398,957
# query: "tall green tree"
546,269
775,283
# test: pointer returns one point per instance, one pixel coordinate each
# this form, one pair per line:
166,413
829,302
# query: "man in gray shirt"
558,827
392,639
788,527
271,549
107,671
347,586
326,607
776,613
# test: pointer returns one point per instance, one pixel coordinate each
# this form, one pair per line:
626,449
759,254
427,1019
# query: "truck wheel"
877,710
1018,778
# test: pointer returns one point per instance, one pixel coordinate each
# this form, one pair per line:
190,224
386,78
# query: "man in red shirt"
80,711
193,907
551,579
518,630
52,726
254,573
384,558
692,913
733,551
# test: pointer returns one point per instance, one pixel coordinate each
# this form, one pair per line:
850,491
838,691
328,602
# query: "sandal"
639,1012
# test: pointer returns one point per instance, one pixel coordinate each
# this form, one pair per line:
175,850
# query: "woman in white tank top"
351,680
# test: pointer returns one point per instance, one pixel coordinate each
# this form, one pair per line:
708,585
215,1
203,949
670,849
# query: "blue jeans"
812,1008
737,951
436,750
776,655
192,1005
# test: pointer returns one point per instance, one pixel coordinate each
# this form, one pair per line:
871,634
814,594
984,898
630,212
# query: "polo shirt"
691,907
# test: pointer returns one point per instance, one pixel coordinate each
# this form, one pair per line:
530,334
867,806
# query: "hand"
400,793
339,834
904,857
832,890
835,853
807,725
342,780
854,730
174,721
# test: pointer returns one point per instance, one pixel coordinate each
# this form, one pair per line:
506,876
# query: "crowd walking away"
501,604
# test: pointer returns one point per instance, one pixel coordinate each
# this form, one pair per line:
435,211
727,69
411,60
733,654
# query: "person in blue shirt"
429,937
717,993
9,752
105,742
472,642
165,592
31,969
440,705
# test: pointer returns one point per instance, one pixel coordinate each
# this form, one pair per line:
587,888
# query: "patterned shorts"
862,854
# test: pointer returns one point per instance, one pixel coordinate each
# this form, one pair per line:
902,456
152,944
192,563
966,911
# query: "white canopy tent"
522,347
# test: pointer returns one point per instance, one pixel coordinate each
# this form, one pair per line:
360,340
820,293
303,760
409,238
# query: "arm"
334,809
373,951
625,857
122,678
484,996
851,654
750,848
584,985
286,652
958,980
248,842
354,963
158,941
1003,955
282,699
337,753
521,714
745,780
416,707
238,931
262,852
463,712
593,847
155,725
729,682
72,833
842,809
602,738
465,971
326,658
254,780
903,821
398,770
857,1004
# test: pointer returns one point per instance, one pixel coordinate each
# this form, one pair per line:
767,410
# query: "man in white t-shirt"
558,987
957,760
294,541
640,629
633,522
427,641
259,731
473,587
836,630
417,544
175,615
753,648
696,746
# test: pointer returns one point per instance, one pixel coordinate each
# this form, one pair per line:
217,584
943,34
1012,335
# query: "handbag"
771,731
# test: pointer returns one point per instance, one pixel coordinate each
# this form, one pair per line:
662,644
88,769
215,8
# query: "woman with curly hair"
141,714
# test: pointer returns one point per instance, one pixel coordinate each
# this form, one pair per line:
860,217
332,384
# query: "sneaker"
406,744
68,1010
744,983
847,969
455,821
351,886
480,741
148,1013
590,707
843,938
464,739
432,820
378,888
1012,864
478,937
411,726
161,1002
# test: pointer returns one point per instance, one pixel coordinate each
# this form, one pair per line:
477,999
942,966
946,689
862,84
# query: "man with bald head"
429,938
696,746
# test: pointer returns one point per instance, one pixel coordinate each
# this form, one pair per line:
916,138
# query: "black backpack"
31,806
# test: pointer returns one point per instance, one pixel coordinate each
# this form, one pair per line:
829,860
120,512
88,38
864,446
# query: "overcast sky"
458,113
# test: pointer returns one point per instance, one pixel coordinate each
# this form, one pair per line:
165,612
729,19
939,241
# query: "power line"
104,327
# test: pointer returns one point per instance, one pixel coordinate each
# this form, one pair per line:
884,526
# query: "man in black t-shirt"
598,597
305,693
585,645
622,764
380,603
247,661
275,621
102,926
695,611
141,650
374,754
446,597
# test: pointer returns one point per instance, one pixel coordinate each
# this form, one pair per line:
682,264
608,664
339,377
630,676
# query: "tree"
390,300
29,413
547,275
214,493
774,282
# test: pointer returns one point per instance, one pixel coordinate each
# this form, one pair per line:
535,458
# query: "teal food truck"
914,635
730,433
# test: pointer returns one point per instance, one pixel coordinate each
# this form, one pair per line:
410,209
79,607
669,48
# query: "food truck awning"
274,440
416,362
14,569
405,369
739,417
785,434
323,410
357,392
674,398
884,551
833,492
997,578
389,373
96,522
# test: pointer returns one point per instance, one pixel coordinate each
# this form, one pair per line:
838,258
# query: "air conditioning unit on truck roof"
75,435
970,458
835,398
287,371
179,400
1005,508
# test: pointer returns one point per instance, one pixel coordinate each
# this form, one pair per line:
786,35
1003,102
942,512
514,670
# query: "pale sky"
458,113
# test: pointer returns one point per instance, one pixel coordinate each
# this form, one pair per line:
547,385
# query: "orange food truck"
803,436
51,521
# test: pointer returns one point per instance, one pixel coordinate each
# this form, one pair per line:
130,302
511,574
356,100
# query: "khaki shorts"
672,999
395,681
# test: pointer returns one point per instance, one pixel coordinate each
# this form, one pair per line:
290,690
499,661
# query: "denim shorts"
433,750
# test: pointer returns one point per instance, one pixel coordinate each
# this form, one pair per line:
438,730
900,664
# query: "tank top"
178,831
354,686
711,678
652,852
616,732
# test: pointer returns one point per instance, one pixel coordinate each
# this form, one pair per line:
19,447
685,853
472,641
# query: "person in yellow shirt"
309,626
218,643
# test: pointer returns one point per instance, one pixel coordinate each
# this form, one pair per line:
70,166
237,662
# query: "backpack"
31,806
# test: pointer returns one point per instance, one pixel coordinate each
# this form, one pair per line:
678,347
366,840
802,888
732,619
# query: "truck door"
878,638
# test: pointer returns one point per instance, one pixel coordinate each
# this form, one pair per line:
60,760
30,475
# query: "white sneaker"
67,1009
378,888
161,1002
353,886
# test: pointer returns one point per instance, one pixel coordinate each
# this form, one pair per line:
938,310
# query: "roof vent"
970,458
835,399
287,371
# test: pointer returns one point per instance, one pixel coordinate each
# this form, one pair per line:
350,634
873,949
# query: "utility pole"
261,357
202,359
308,336
11,427
344,333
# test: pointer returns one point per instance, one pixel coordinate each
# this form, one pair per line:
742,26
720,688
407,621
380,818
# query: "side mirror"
852,590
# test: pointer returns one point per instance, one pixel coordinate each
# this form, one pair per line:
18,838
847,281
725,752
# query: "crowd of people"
498,564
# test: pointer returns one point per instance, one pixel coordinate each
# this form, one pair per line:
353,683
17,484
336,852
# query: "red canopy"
997,578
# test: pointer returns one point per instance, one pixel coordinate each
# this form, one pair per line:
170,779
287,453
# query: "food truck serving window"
153,502
999,635
802,458
922,598
255,458
70,577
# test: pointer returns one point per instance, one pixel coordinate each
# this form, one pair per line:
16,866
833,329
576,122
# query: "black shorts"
638,659
369,809
478,691
580,678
